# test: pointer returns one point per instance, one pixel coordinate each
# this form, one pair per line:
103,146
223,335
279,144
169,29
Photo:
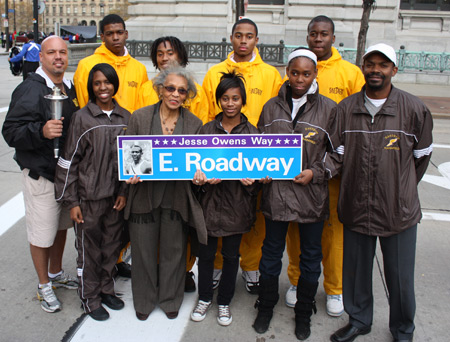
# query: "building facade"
419,25
78,12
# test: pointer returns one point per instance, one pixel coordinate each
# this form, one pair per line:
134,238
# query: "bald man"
29,128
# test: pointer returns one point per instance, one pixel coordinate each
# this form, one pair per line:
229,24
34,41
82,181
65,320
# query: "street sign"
5,23
11,10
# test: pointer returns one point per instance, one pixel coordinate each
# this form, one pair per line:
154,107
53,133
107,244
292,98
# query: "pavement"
21,318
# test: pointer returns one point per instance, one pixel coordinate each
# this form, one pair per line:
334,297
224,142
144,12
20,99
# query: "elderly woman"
159,212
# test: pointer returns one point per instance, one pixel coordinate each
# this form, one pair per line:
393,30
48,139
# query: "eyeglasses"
171,89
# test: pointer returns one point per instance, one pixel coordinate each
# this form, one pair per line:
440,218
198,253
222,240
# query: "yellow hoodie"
197,106
262,82
338,78
132,75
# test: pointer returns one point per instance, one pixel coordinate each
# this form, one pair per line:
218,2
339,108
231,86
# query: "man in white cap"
384,143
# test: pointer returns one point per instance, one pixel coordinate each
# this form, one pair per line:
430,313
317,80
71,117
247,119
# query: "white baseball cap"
384,49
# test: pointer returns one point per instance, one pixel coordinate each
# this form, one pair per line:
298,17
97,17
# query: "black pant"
29,67
310,249
399,252
230,253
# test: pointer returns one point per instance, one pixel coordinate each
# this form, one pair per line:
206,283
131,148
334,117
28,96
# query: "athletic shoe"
200,311
335,306
291,296
216,278
64,280
224,318
49,302
251,281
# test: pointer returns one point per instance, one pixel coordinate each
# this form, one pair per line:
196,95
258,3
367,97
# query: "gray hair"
160,79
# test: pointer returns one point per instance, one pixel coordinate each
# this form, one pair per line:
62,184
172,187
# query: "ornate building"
79,12
416,24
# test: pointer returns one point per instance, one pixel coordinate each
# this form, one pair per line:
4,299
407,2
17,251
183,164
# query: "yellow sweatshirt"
262,82
197,106
338,78
132,75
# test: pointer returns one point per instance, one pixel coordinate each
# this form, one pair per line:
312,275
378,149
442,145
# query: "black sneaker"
189,283
99,314
112,302
124,269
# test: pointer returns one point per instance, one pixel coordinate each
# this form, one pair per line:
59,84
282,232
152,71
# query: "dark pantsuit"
399,259
310,247
98,246
230,253
168,233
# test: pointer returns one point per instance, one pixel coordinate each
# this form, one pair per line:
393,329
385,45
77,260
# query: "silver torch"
56,99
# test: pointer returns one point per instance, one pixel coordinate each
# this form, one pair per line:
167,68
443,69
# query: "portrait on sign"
137,157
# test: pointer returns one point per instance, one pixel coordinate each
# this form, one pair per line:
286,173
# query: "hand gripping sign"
231,156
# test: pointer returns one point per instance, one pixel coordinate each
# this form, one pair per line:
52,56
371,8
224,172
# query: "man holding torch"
30,129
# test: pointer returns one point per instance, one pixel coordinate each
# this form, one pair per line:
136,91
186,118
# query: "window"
266,2
68,10
83,10
93,10
102,10
61,10
111,7
75,10
46,21
54,21
54,10
47,11
61,21
68,21
425,5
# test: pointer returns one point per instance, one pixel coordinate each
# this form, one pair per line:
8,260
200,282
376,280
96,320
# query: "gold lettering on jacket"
392,142
309,134
336,90
256,91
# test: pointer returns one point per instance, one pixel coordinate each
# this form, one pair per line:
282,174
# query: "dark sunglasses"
171,89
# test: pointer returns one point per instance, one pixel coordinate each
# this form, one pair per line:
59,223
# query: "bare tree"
368,5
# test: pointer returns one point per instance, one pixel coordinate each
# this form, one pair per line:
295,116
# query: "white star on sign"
165,142
174,142
278,141
156,142
295,141
286,141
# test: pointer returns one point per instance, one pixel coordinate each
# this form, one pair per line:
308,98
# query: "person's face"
244,40
114,37
165,55
54,57
231,103
136,154
103,90
174,91
378,71
320,39
301,72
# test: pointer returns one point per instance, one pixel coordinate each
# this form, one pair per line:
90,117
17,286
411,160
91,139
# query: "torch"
56,100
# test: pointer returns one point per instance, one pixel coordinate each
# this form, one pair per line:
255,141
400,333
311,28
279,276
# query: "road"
21,318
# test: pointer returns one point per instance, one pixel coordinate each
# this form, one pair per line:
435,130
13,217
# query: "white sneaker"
224,318
200,311
216,278
49,302
335,305
251,281
291,296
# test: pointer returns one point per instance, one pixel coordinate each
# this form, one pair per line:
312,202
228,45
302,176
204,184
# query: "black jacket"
28,112
87,169
229,207
284,200
382,161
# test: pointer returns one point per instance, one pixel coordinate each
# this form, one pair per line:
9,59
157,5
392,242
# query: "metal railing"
407,61
270,53
276,54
